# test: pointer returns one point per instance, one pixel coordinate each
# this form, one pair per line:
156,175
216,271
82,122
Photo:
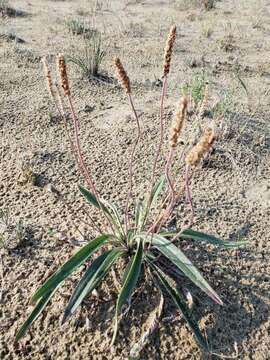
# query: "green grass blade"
182,306
197,235
129,284
66,269
178,258
34,314
92,277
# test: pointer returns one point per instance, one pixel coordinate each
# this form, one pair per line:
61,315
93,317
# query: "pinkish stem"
188,195
161,119
81,162
132,160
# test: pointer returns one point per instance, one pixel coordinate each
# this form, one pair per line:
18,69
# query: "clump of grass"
195,88
77,27
90,57
148,248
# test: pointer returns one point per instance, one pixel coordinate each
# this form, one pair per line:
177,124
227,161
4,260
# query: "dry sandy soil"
231,190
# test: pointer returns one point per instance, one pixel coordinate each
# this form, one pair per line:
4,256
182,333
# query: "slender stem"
61,111
161,119
161,219
82,163
188,195
171,187
161,140
131,160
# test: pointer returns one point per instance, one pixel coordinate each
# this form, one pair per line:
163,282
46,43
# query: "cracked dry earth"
230,189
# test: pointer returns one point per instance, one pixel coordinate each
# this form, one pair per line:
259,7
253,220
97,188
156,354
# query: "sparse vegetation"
90,57
150,251
196,87
77,27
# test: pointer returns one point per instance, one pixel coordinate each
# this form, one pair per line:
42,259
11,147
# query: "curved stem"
132,160
81,162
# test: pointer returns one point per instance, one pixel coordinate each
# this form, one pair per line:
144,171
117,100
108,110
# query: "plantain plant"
141,237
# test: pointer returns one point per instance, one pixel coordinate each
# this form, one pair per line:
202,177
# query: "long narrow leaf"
66,269
177,257
91,198
34,314
180,303
106,206
156,190
129,284
152,200
92,277
197,235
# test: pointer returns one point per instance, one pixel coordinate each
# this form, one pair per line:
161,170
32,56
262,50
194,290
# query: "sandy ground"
231,190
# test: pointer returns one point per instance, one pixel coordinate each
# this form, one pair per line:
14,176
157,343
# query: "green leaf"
139,215
34,314
92,277
106,206
151,202
91,198
69,266
182,306
196,235
115,216
156,190
178,258
129,284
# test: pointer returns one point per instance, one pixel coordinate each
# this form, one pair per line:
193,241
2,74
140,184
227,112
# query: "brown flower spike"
122,75
168,50
178,121
63,74
48,76
202,148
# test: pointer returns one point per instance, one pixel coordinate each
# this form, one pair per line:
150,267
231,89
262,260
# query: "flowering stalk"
193,158
124,79
166,69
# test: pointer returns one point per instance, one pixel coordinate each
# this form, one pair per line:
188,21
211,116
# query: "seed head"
122,75
202,148
63,74
178,121
168,50
48,76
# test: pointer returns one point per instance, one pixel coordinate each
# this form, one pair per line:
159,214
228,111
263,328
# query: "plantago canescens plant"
142,239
